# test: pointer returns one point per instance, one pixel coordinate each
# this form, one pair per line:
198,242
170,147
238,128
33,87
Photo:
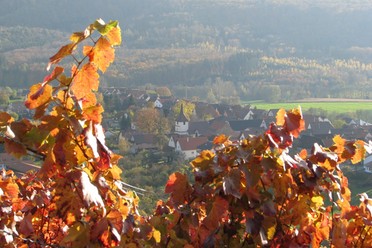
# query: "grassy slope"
338,107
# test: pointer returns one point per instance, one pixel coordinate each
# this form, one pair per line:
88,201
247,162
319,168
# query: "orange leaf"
220,139
280,117
359,152
39,95
10,189
85,81
114,36
303,154
63,52
93,113
103,54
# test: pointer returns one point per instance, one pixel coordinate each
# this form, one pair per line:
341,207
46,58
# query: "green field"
338,107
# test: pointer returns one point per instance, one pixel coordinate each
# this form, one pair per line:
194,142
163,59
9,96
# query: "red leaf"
232,183
279,137
217,213
25,226
294,122
179,188
55,73
104,157
15,148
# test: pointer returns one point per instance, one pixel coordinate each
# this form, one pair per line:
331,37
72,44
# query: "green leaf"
104,28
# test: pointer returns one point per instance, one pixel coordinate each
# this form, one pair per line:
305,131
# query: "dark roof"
141,138
202,127
320,128
307,141
241,125
191,143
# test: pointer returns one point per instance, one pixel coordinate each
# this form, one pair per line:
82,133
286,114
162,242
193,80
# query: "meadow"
329,106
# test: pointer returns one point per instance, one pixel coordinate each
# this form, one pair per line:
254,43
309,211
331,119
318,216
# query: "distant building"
182,123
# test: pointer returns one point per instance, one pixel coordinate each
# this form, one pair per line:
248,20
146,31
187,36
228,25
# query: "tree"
250,193
124,145
4,97
163,91
150,120
188,108
125,122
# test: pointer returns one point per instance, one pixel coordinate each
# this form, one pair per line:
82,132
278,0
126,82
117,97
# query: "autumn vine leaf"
84,81
40,94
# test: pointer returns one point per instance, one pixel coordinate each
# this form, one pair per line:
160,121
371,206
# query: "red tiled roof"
191,143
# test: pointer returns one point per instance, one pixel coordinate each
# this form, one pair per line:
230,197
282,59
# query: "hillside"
307,49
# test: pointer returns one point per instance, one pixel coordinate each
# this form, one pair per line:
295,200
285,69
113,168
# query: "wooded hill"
295,50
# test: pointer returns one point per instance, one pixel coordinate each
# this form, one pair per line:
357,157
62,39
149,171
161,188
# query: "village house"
189,146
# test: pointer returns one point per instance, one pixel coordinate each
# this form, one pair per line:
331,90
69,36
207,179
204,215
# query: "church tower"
182,123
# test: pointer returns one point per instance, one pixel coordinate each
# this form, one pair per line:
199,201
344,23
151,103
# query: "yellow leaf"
114,36
269,225
203,160
339,140
115,172
156,235
77,37
316,202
